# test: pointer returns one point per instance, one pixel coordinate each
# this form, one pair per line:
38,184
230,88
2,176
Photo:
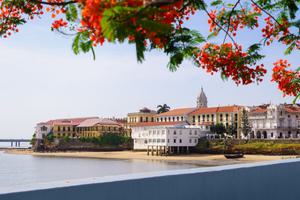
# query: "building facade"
99,127
165,136
144,115
175,115
226,115
275,121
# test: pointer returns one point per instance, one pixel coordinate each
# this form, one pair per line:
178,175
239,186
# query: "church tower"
202,100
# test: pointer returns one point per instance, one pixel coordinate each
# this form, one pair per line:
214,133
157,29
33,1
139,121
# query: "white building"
275,121
166,137
42,130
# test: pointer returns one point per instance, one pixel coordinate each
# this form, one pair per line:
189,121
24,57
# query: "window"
289,116
180,140
194,119
169,119
190,132
174,140
181,118
174,133
177,118
173,119
190,140
163,140
180,132
158,140
195,132
64,129
168,140
195,140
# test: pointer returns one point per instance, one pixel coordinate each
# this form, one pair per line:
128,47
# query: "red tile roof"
258,110
220,109
94,121
69,121
142,124
177,112
292,109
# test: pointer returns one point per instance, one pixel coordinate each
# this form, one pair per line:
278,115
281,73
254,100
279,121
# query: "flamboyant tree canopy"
160,24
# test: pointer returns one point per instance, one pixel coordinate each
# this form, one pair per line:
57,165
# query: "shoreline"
200,160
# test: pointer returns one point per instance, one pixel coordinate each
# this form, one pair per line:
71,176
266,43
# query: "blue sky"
42,79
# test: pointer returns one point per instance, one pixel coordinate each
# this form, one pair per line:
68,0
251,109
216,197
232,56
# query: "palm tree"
163,108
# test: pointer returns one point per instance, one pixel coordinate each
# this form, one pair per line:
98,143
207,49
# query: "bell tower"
202,100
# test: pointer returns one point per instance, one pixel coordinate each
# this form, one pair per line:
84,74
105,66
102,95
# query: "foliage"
50,137
267,147
33,139
161,25
218,129
107,139
231,130
163,108
67,139
246,128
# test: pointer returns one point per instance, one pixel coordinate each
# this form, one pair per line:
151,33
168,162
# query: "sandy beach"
197,159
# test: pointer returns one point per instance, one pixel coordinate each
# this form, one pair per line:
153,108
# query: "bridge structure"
14,142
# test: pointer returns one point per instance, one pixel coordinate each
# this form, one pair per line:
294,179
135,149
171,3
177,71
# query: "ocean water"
23,170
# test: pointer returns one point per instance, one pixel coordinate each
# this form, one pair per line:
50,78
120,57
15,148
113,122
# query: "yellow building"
66,127
226,115
99,127
144,115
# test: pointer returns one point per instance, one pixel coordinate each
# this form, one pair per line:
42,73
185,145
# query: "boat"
234,155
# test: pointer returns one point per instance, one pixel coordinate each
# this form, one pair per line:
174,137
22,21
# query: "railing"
276,180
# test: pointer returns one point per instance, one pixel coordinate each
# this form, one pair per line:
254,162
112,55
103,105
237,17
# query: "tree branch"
55,3
229,20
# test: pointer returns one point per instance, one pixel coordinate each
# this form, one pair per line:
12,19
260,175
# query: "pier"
14,142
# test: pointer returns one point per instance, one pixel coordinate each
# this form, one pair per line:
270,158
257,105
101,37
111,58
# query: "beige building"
175,115
144,115
226,115
66,127
99,127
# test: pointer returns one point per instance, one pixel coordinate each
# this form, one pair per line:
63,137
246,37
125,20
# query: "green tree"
161,25
246,127
231,130
218,129
163,108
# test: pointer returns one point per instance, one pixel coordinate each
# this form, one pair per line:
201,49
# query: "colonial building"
42,129
166,137
98,127
175,115
275,121
226,115
80,127
144,115
67,127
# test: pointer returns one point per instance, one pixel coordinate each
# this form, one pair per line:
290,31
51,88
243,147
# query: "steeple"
202,100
